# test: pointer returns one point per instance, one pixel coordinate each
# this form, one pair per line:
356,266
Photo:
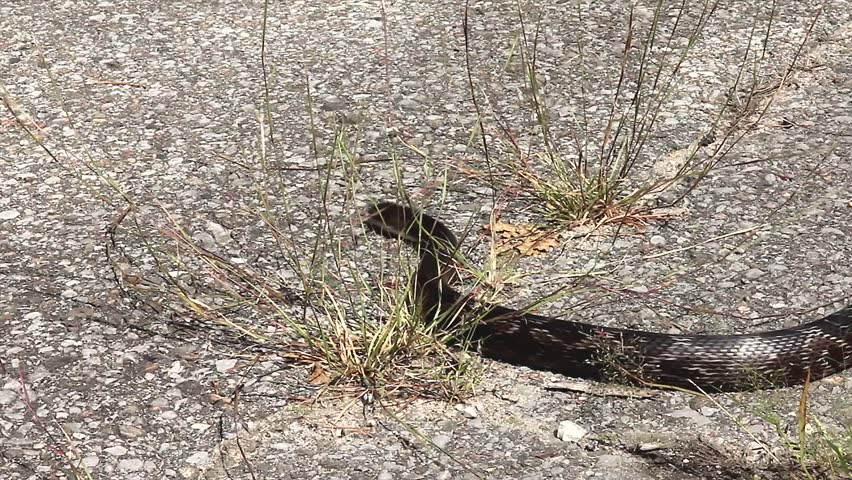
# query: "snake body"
714,362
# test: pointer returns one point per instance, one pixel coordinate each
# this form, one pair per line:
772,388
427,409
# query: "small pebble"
754,273
569,431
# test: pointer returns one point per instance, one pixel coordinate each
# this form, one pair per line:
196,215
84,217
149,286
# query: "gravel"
165,99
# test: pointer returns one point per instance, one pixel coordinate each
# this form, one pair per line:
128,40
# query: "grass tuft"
608,175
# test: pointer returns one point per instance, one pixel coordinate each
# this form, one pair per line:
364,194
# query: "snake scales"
717,362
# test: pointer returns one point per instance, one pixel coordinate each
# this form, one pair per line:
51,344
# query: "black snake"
716,362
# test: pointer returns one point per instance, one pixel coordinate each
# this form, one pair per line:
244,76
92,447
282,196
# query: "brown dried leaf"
538,244
318,376
526,238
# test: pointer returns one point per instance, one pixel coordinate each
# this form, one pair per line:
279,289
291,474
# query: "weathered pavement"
166,95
